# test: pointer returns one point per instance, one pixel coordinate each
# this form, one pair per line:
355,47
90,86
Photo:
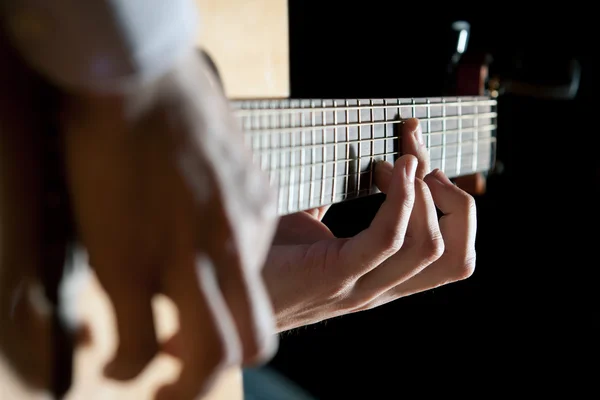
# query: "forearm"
102,45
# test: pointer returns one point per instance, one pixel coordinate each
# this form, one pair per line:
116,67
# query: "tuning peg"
460,32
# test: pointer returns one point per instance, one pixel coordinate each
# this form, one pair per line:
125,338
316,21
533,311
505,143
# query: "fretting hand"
313,276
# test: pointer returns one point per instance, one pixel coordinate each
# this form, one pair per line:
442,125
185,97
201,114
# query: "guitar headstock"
470,72
468,75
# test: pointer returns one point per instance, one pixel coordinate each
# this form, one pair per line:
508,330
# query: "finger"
414,143
423,246
385,235
137,343
247,300
238,253
458,227
207,341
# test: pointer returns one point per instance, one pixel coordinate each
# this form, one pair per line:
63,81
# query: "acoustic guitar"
316,152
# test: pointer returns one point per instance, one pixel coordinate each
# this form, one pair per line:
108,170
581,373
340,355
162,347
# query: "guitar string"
274,167
291,195
250,112
375,157
341,195
444,146
273,150
302,112
293,129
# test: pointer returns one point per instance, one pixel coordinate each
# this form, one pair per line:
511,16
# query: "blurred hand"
166,200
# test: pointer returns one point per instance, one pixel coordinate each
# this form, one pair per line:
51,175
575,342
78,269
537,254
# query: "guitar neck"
321,152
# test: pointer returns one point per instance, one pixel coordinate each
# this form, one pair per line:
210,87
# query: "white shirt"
102,45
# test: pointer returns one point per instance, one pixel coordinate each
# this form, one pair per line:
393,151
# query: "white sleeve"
102,45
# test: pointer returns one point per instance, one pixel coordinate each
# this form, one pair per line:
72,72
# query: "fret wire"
443,161
302,155
413,114
476,133
324,156
440,133
486,102
359,116
372,130
398,129
270,141
335,152
385,128
490,141
261,140
277,163
347,143
292,159
459,137
312,158
320,127
428,124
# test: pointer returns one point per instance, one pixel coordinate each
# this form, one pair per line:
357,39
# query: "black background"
516,325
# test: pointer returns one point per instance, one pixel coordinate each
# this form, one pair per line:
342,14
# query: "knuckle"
338,292
469,204
392,239
433,247
466,267
355,302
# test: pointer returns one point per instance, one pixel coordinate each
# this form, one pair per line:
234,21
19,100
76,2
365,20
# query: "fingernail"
419,135
410,168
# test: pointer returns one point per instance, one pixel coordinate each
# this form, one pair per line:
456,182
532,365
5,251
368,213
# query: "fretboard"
320,152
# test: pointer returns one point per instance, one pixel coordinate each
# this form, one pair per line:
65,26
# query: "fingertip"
406,159
439,177
410,125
